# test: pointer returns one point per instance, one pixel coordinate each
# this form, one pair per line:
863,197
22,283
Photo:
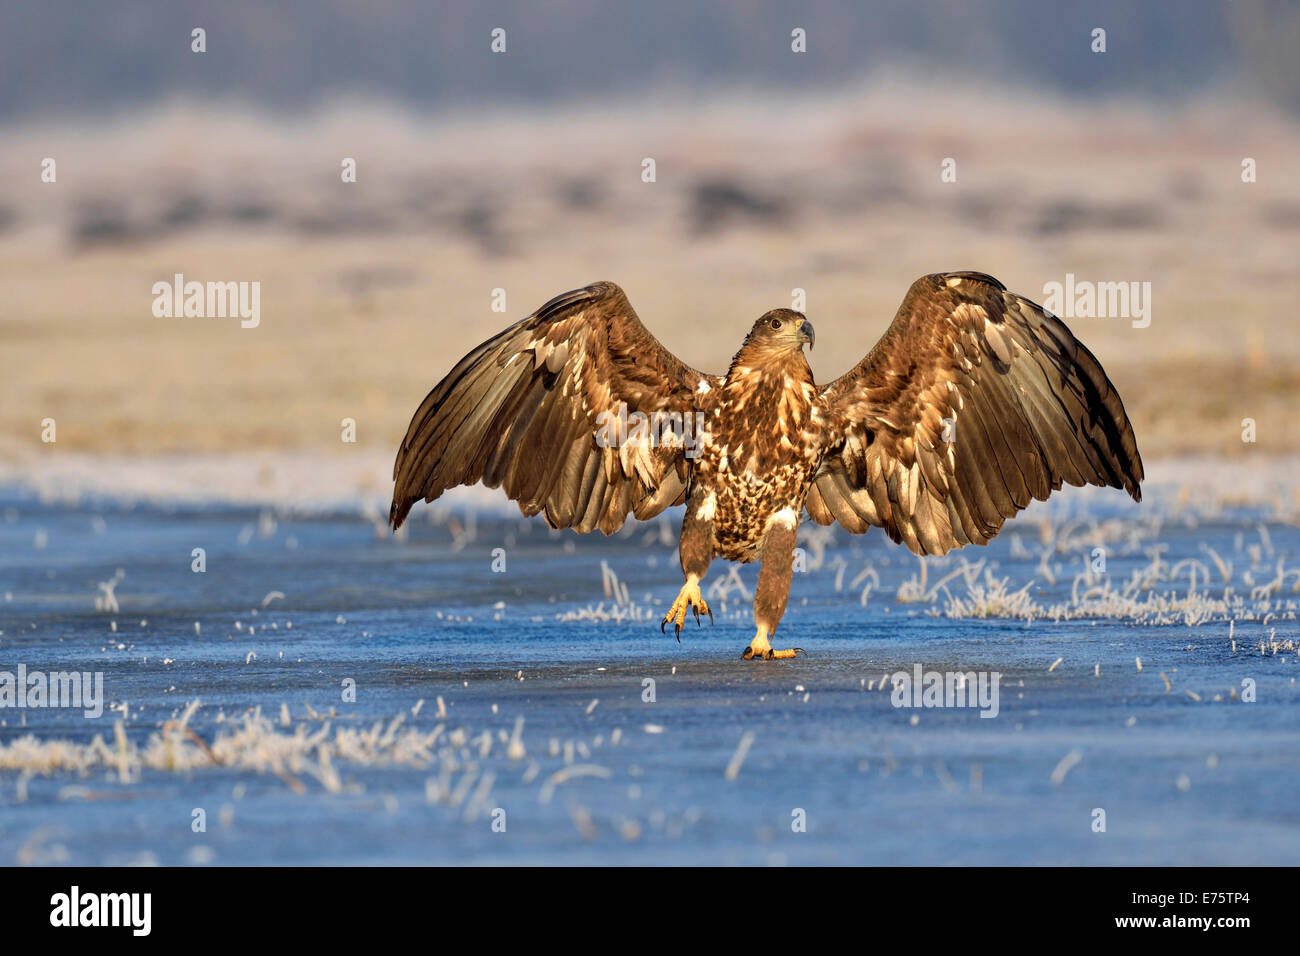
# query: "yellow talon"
760,649
688,597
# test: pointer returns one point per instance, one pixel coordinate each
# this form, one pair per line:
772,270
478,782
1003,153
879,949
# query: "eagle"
975,402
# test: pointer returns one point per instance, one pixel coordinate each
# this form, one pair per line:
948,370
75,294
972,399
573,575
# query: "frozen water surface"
1186,768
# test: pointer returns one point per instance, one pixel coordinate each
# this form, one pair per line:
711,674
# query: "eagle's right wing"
973,403
522,412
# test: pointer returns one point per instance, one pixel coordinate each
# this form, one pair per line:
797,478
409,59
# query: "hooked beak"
806,333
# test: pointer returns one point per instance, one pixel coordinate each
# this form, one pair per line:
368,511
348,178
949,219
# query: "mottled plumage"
520,412
974,402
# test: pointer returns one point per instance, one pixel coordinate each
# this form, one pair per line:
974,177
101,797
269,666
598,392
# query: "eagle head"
781,331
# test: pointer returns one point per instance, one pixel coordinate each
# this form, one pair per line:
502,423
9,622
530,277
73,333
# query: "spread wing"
974,402
521,412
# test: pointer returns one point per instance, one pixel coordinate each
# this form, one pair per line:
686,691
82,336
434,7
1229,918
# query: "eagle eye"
776,323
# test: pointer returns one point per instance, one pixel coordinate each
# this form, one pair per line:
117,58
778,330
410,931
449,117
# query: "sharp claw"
747,653
663,624
697,615
709,611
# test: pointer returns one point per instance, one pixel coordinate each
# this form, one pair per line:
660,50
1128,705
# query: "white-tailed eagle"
975,402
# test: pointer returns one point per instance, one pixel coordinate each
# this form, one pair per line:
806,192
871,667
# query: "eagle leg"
773,592
688,597
696,550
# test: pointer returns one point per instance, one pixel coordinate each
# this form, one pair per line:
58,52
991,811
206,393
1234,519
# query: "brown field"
370,291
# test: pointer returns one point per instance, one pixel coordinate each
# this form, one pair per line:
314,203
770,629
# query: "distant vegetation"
84,57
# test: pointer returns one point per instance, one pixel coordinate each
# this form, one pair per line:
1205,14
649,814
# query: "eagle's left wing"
524,411
974,402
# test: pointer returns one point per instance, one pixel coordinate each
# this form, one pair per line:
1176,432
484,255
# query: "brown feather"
1032,407
520,411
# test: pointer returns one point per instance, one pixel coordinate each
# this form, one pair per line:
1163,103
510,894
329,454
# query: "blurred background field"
774,171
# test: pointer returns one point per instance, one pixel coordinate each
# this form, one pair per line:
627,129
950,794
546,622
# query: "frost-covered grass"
463,764
1251,582
1058,564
